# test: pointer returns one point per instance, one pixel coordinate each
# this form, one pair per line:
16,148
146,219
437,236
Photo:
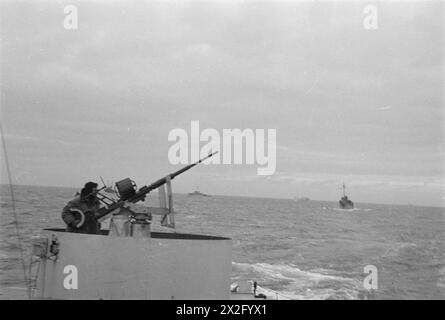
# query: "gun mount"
168,265
126,216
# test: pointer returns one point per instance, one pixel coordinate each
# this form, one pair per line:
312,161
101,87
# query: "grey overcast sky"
361,106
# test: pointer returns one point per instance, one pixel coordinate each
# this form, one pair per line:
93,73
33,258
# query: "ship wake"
287,282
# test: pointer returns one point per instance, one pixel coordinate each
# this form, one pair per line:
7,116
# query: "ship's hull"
199,194
346,204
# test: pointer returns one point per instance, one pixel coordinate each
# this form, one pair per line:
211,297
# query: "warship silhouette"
344,202
198,193
302,199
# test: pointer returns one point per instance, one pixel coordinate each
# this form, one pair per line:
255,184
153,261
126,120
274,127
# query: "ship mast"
344,194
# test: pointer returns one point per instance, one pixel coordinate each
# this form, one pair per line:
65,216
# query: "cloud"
345,102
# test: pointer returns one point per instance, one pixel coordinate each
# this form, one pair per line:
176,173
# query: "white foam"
308,294
291,272
297,284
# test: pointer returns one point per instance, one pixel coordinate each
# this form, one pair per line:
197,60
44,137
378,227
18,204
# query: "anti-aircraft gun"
126,216
111,267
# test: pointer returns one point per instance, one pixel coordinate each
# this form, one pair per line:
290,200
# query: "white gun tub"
164,266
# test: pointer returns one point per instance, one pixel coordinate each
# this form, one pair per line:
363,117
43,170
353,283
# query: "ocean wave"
349,210
284,281
291,272
308,294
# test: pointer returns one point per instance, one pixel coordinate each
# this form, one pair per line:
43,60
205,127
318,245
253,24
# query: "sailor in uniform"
80,214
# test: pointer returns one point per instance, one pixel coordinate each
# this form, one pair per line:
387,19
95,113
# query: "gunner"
80,214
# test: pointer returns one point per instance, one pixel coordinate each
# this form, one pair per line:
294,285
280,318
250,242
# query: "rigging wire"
19,239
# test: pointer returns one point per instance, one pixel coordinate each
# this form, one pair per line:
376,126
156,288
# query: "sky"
363,107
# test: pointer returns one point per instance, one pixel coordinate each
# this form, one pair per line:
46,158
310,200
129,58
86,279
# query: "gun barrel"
140,194
177,173
146,189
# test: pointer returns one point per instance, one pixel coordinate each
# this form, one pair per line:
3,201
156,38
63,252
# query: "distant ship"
303,199
344,202
197,193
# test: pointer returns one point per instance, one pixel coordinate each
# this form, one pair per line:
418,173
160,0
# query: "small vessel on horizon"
344,202
198,193
302,199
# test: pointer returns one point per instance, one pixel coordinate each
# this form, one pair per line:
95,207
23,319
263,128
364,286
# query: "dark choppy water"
299,250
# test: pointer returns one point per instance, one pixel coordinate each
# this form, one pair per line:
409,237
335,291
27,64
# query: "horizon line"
255,197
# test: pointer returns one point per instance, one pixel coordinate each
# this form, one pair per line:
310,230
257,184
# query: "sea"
293,250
